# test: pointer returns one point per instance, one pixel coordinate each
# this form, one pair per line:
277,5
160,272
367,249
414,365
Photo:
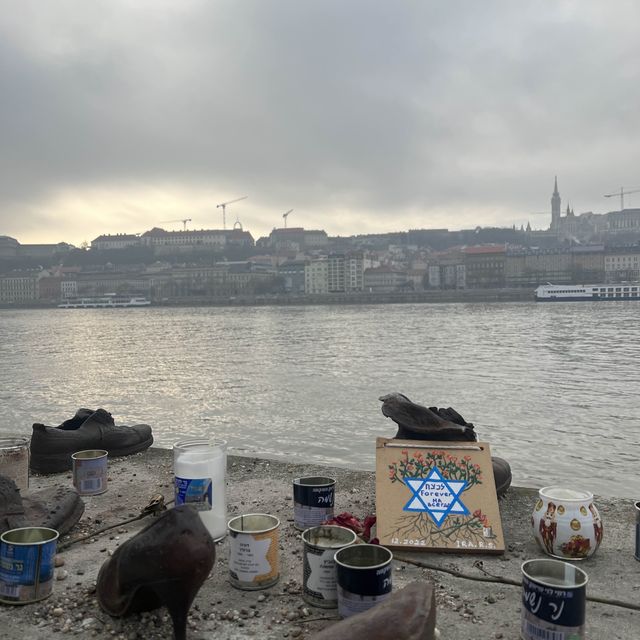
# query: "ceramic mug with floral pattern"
566,523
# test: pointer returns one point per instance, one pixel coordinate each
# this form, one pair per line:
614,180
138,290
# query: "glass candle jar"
14,460
199,468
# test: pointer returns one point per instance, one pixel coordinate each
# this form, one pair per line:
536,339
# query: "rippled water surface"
554,388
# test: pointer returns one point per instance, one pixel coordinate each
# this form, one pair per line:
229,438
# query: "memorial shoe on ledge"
416,422
51,447
57,508
164,564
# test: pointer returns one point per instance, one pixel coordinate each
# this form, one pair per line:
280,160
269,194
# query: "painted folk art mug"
566,523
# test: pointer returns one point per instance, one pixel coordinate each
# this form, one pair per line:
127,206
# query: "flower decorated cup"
566,523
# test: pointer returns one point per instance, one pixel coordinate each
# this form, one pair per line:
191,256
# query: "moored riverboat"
578,292
108,301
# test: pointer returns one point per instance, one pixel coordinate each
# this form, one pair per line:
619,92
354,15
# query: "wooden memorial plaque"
439,496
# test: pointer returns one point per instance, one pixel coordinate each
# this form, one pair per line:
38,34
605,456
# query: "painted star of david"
436,496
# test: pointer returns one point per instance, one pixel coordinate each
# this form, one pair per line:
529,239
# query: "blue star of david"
436,496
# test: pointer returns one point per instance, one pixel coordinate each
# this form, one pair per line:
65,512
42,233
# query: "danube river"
553,388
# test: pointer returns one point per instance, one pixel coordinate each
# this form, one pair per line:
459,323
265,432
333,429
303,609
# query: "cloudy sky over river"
117,116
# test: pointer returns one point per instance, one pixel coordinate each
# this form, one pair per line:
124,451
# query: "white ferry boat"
570,292
108,301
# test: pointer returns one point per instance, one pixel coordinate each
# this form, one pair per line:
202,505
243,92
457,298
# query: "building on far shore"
160,240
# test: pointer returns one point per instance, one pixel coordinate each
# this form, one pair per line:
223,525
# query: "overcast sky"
361,116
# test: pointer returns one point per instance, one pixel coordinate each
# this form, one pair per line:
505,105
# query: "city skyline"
119,118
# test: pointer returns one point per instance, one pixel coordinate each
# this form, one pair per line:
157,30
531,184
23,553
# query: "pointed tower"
555,207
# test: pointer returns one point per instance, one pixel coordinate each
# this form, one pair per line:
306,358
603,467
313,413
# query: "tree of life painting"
437,496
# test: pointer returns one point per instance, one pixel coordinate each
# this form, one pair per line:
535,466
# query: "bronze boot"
416,422
408,614
164,564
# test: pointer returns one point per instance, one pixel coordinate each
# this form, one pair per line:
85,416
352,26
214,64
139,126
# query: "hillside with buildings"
221,264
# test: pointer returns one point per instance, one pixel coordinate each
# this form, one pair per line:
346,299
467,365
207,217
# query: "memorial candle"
199,468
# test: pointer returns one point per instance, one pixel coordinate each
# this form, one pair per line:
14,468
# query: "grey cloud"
325,106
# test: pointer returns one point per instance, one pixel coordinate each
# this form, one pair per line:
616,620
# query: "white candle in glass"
204,462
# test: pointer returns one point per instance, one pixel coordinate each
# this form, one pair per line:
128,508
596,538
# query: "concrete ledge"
465,609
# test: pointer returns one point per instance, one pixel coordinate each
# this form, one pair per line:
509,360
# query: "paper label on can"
26,571
559,606
91,480
90,476
533,628
305,517
249,557
197,492
311,496
350,604
320,574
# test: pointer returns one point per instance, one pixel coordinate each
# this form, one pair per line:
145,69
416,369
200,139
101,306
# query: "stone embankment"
413,297
472,601
409,297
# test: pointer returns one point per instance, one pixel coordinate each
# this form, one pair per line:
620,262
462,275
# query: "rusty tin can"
254,554
319,586
313,499
554,595
90,471
364,573
14,460
27,564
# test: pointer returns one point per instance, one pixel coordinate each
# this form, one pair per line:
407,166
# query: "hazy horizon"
117,117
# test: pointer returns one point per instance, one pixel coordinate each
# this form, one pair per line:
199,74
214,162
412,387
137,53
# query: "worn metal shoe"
164,564
407,614
57,508
416,422
51,447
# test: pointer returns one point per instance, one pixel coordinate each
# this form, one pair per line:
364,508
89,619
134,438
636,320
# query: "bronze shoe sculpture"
51,447
56,508
408,614
416,422
164,564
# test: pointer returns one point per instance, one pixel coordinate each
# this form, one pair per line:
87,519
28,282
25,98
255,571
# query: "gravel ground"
466,609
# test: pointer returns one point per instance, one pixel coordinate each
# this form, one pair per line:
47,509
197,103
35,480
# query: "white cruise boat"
571,292
107,301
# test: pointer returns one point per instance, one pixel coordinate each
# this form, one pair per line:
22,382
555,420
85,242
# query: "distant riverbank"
413,297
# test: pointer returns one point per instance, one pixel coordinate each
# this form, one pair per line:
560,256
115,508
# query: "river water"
552,387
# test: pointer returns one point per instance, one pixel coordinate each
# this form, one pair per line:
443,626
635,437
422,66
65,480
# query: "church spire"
555,207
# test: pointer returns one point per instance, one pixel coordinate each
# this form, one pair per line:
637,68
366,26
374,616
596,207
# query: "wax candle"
199,468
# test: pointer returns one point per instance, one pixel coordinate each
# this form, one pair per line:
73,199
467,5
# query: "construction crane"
183,220
622,193
285,216
224,209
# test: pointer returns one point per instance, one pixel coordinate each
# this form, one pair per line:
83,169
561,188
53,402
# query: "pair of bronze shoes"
164,564
416,422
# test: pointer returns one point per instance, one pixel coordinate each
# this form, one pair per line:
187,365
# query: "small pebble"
59,561
62,574
57,612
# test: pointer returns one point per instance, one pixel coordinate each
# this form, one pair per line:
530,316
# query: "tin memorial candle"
319,585
554,595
